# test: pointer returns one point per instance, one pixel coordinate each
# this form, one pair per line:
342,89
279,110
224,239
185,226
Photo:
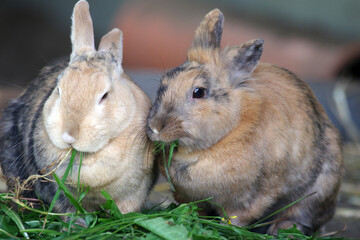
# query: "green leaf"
68,194
291,233
78,183
111,205
3,232
83,192
6,227
44,232
151,236
160,146
13,215
164,228
57,194
257,224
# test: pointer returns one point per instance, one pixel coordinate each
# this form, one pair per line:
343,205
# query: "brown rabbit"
251,135
90,105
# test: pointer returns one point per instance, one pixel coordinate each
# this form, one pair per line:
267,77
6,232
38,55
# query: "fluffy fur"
90,105
255,141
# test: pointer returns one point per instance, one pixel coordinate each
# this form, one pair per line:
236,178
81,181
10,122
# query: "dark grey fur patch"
173,73
181,171
319,127
162,89
209,38
243,59
219,95
20,152
189,68
94,58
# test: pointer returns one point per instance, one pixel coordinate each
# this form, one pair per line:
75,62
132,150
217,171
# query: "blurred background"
317,40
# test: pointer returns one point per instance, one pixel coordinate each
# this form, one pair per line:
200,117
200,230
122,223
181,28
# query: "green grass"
18,220
161,147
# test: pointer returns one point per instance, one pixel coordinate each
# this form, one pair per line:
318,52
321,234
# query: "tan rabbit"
251,135
90,105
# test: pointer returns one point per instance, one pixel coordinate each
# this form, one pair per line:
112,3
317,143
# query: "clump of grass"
161,146
175,222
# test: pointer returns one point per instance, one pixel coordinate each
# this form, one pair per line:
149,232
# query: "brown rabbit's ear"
242,60
82,32
208,34
112,42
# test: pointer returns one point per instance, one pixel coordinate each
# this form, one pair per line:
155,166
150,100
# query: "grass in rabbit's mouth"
174,222
161,147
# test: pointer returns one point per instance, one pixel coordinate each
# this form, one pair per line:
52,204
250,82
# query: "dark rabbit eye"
104,97
199,92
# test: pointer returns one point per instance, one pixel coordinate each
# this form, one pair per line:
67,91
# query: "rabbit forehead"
181,80
95,58
203,55
178,81
82,82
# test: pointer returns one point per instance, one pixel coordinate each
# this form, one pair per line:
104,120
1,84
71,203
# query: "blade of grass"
173,145
78,183
2,231
15,217
23,205
57,194
115,211
256,224
158,146
68,194
44,231
83,193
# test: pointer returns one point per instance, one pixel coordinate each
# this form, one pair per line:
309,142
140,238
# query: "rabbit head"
197,102
91,104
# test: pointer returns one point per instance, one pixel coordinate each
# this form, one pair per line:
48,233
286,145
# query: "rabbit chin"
89,148
194,144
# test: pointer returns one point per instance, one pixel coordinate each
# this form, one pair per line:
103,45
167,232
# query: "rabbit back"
21,122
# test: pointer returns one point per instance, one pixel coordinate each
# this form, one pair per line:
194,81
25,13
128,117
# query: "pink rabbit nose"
67,138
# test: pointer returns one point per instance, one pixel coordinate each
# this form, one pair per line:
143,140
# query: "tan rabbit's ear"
208,34
112,42
82,32
242,60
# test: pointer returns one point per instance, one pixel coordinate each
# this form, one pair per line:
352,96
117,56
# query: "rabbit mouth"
168,133
84,148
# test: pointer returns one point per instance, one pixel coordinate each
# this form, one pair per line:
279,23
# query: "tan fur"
89,105
256,142
200,55
82,34
117,157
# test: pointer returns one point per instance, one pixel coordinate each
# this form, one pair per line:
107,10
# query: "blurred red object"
158,37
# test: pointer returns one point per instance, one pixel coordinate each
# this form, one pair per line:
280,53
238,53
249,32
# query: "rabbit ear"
242,60
112,42
208,34
82,33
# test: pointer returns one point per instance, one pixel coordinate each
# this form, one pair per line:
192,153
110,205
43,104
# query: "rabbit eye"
199,92
104,97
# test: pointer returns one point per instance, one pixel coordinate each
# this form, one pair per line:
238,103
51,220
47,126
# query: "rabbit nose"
155,130
156,126
67,138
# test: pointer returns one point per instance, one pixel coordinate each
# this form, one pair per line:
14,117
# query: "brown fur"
257,141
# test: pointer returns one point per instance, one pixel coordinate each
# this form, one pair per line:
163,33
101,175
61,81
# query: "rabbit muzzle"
165,130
